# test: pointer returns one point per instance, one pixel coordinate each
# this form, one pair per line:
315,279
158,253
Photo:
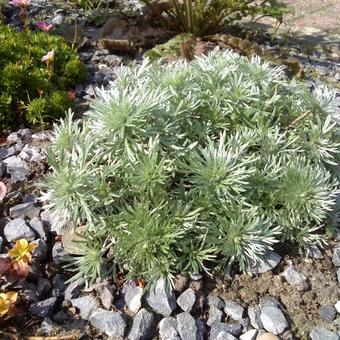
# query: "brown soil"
300,307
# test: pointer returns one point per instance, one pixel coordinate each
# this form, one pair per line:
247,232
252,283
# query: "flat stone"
17,229
43,308
187,300
250,335
320,333
338,275
143,326
17,168
327,313
38,227
187,328
161,298
1,242
24,210
221,331
215,315
295,278
168,328
86,305
233,309
111,323
133,298
336,257
273,320
270,261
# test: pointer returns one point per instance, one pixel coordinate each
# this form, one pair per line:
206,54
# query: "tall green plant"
197,166
201,17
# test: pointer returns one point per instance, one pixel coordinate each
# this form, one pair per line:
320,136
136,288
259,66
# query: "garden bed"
292,295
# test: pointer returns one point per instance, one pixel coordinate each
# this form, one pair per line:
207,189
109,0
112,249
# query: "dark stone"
43,308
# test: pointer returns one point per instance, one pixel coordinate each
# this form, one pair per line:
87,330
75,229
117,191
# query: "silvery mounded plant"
195,167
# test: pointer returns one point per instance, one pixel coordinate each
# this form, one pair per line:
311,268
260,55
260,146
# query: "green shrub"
25,79
202,17
191,166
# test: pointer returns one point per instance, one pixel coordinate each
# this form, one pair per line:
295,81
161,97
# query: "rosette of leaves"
28,93
197,166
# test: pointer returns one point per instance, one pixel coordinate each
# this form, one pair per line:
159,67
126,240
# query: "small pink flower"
44,26
20,3
48,57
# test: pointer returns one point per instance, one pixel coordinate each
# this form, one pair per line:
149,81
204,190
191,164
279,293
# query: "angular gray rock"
17,229
319,333
233,309
270,261
245,323
187,300
133,298
13,137
221,331
338,275
336,257
161,298
295,278
86,305
214,300
168,328
143,326
250,335
215,315
314,252
42,136
38,227
273,320
24,210
58,252
43,308
106,294
187,327
1,242
17,168
327,313
73,289
200,329
31,154
111,323
268,300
